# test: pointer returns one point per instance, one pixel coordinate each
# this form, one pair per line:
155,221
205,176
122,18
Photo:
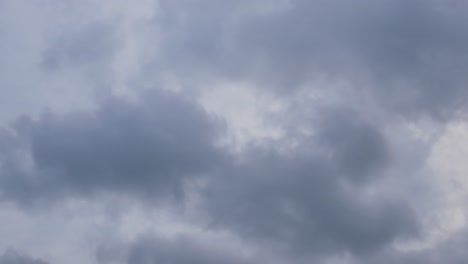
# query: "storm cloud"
313,198
216,131
12,257
180,250
408,55
147,147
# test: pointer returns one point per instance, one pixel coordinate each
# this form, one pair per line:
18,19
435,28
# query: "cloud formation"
148,147
314,198
408,55
112,101
180,250
13,257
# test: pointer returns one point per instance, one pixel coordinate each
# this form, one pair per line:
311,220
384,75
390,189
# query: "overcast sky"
233,131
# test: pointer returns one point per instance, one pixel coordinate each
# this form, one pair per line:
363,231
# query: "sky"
233,131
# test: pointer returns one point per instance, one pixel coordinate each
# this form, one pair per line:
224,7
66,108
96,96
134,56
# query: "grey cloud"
88,45
186,248
312,199
198,39
355,147
13,257
317,194
451,250
53,54
181,250
146,147
409,55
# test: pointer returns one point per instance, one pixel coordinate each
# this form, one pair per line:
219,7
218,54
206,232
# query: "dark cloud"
408,55
329,187
186,248
313,198
354,147
310,199
181,250
13,257
146,148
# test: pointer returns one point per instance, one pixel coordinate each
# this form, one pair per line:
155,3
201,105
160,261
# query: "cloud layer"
119,116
